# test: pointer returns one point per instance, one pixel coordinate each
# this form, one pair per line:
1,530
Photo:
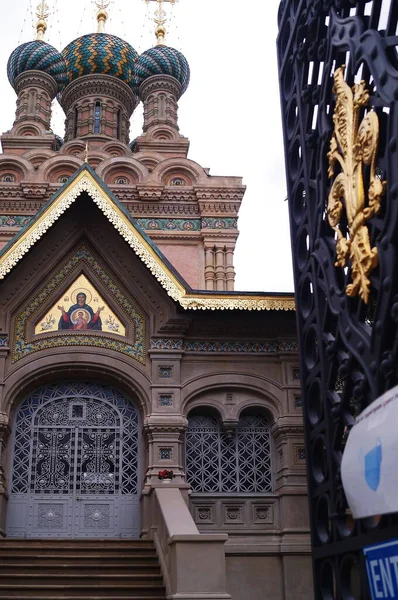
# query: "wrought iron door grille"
348,344
75,464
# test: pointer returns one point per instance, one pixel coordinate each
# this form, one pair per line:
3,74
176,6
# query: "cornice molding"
157,83
103,85
37,79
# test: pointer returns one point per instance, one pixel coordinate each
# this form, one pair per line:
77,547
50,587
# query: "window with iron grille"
219,461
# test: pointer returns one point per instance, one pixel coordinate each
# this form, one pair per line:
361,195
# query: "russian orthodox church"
126,353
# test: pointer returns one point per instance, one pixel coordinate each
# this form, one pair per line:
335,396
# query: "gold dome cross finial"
42,12
160,19
102,15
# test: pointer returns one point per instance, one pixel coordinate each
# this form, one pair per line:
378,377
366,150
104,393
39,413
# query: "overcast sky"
230,111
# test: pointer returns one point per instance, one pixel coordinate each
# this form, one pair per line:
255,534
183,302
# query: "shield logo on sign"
372,465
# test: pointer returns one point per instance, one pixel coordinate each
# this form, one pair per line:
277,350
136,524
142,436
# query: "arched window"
177,181
75,119
8,178
97,117
118,125
217,461
122,181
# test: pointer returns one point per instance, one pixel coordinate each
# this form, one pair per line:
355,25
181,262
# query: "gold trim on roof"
85,182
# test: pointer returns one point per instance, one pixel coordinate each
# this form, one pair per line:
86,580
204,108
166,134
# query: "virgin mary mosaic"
81,308
80,315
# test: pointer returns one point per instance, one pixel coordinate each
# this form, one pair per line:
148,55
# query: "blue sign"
382,568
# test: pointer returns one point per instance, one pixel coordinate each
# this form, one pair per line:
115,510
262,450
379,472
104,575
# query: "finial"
86,153
102,15
160,19
42,13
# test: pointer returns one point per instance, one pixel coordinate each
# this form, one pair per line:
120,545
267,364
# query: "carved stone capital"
37,79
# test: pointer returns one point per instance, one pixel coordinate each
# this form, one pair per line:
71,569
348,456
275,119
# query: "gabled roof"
86,180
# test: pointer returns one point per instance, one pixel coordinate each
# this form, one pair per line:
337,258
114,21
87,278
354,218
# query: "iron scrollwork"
341,141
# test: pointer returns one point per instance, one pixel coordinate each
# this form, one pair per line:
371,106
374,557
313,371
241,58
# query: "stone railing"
193,564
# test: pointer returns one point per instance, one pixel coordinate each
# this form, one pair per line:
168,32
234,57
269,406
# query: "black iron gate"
347,314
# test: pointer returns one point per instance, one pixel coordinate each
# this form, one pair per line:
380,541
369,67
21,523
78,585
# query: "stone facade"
172,362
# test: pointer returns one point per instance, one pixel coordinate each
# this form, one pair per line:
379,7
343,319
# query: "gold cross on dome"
160,19
102,4
102,15
42,12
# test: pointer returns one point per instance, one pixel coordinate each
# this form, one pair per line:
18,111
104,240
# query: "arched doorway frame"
101,369
75,463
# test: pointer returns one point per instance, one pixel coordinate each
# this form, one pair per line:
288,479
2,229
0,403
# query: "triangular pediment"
86,181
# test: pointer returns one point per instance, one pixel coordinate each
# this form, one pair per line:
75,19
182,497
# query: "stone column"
209,268
220,269
229,268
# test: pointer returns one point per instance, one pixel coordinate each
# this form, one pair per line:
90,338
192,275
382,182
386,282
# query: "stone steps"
77,569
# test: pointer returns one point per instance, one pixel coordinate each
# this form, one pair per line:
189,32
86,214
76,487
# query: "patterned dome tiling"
37,56
161,60
100,53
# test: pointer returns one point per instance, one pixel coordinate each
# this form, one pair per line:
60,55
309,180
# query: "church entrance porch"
75,463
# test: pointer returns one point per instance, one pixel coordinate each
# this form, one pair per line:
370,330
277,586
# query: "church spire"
42,13
160,19
102,15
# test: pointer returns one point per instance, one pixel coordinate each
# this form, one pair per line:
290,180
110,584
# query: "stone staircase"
79,569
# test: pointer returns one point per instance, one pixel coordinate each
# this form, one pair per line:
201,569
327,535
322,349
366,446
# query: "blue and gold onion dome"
161,60
100,53
37,56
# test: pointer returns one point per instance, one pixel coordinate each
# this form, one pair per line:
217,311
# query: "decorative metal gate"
340,148
75,464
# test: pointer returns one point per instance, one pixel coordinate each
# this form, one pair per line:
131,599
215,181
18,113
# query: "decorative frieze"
250,513
217,223
285,346
14,220
166,344
169,224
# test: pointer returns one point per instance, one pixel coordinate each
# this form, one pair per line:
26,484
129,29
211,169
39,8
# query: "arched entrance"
75,464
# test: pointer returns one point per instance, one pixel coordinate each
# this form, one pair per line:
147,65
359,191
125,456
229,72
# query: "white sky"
230,112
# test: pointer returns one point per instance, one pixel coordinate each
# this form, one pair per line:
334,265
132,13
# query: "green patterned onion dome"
37,56
161,60
100,53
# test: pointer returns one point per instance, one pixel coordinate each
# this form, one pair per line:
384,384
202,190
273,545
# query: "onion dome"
161,60
100,53
37,56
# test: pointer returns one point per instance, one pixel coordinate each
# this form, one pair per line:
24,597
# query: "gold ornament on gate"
353,145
